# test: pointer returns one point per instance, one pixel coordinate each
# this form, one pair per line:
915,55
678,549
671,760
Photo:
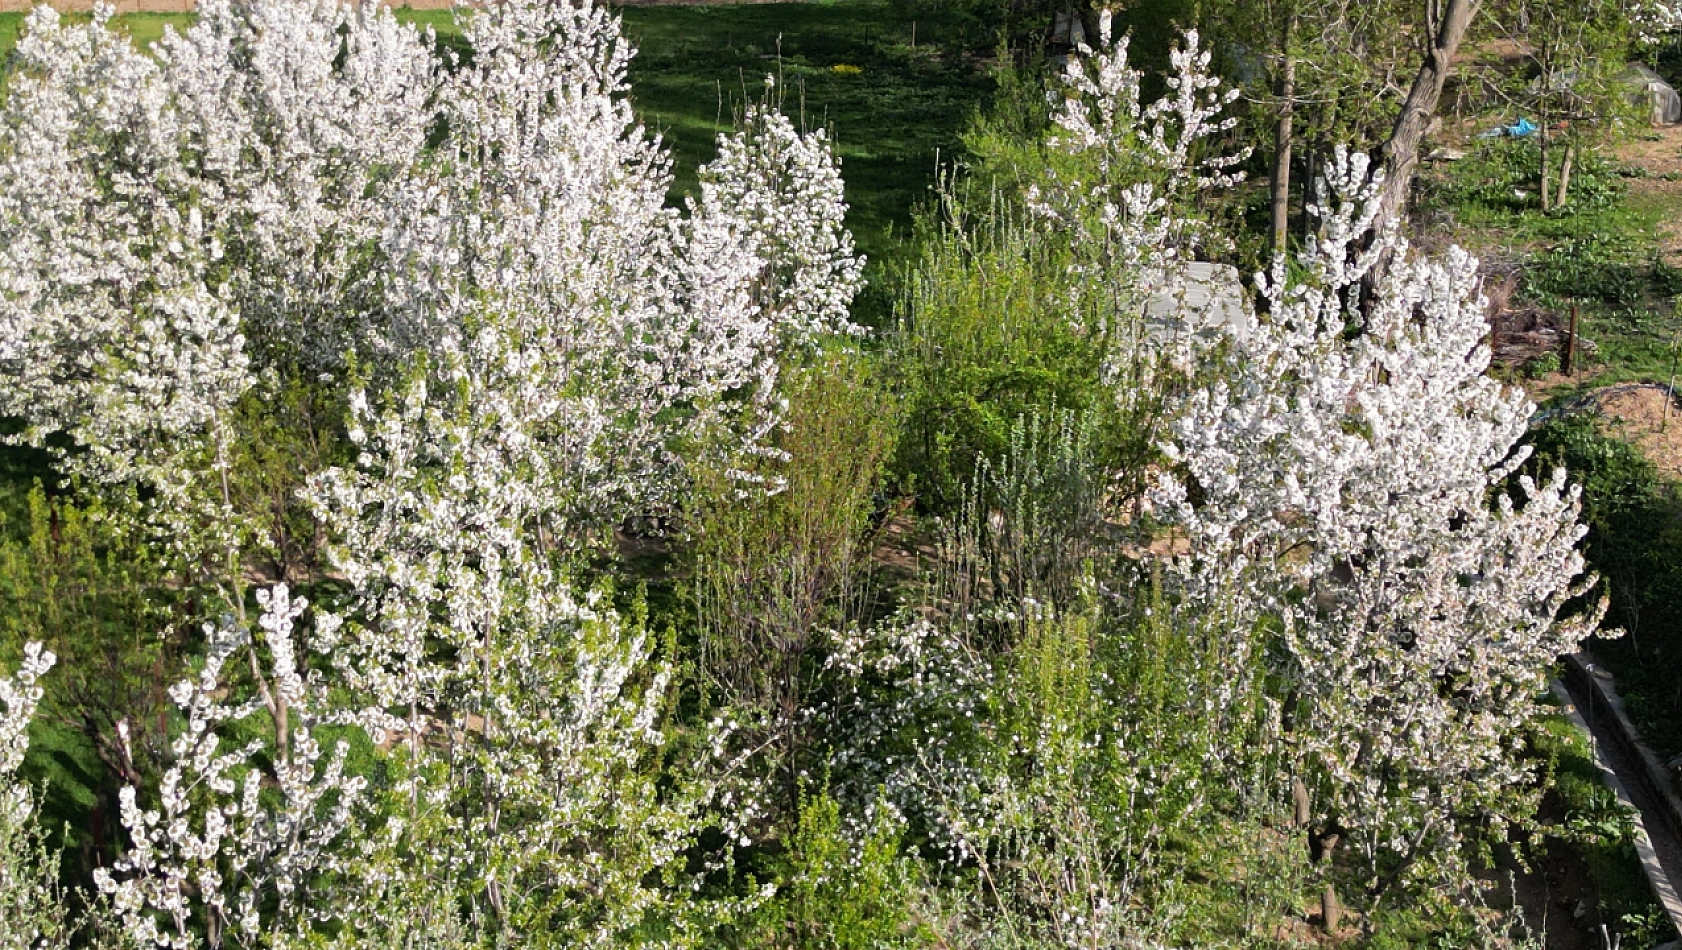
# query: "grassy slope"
890,108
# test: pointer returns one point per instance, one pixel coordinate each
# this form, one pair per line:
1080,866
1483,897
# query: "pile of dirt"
1649,415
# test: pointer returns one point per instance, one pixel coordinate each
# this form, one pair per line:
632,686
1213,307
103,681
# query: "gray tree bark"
1281,183
1565,174
1447,21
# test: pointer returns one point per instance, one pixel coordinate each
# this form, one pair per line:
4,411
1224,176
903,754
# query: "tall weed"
770,572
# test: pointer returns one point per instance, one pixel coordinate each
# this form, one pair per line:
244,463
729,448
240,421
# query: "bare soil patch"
1647,415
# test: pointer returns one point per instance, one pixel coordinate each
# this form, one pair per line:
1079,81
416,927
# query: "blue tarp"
1517,130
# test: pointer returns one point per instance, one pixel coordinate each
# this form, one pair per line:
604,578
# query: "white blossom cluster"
169,227
290,183
1146,160
1101,112
481,258
529,714
32,915
541,220
1654,20
911,696
1127,203
228,838
19,695
1346,479
108,329
775,191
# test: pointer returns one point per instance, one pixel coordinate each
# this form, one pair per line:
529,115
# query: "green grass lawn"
893,91
10,24
851,67
145,28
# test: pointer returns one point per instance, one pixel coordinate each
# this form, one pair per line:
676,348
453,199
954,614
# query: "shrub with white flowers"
481,259
1343,491
1126,200
527,713
539,225
170,227
233,848
32,914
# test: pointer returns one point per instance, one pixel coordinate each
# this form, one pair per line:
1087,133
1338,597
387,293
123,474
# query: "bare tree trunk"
1281,209
1446,21
1565,173
1542,143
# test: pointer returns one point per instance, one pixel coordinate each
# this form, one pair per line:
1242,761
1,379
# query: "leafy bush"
768,574
1501,175
846,885
1635,543
76,577
1609,268
984,341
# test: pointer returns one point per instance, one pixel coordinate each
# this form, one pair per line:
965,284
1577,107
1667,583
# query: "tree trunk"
1565,174
1447,22
1303,808
1282,152
1542,144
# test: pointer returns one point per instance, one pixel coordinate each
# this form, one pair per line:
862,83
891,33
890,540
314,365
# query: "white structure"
1648,90
1201,299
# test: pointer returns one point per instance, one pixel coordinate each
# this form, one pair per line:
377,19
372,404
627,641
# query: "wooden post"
1569,367
1565,173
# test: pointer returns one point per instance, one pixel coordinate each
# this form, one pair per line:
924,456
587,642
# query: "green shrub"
1502,175
1589,821
1635,544
985,339
1542,366
74,576
844,888
769,572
